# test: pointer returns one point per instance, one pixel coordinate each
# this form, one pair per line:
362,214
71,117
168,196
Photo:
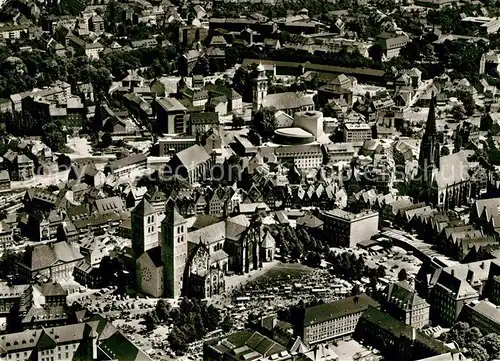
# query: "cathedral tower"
259,87
174,250
429,148
144,228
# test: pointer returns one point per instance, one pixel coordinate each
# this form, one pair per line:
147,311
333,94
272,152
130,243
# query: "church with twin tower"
159,249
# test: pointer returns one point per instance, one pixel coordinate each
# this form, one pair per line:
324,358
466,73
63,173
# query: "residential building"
485,214
94,339
87,173
13,296
54,261
171,116
171,145
303,156
404,304
392,43
357,132
202,122
126,166
6,235
395,339
492,286
245,345
235,104
347,229
450,293
187,61
334,320
4,180
13,31
20,166
339,152
490,63
483,315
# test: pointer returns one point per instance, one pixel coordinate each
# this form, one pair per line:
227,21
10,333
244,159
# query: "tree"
163,309
150,322
101,81
468,102
63,161
233,169
238,122
313,259
458,112
106,140
381,271
356,290
264,122
209,107
445,151
227,324
202,66
53,135
178,340
376,52
402,275
211,318
8,262
491,343
477,352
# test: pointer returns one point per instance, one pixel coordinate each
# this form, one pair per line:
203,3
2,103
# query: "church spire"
429,148
430,127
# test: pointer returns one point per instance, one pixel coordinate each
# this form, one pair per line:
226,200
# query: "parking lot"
273,288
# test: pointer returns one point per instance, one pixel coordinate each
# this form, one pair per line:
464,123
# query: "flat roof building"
347,229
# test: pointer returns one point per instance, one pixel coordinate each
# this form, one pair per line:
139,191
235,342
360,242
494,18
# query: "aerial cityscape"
250,180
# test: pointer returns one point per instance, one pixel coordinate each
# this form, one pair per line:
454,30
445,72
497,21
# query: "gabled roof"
329,311
192,156
127,161
144,208
154,255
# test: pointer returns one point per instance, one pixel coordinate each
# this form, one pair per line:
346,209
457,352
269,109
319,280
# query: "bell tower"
144,228
174,250
259,87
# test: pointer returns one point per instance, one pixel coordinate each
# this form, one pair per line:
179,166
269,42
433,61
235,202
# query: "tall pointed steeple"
429,148
430,126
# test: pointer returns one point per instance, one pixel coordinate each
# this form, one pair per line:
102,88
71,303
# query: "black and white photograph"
249,180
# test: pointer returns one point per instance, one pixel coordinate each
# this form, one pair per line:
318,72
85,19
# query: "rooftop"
336,309
339,213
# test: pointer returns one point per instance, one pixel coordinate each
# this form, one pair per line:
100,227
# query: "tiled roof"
109,204
192,156
288,100
336,309
208,235
144,208
52,289
205,118
131,160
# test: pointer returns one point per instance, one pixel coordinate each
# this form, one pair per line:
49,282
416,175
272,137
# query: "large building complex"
347,229
334,320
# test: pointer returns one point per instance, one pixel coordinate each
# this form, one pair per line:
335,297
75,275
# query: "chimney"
470,274
482,265
413,333
453,272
